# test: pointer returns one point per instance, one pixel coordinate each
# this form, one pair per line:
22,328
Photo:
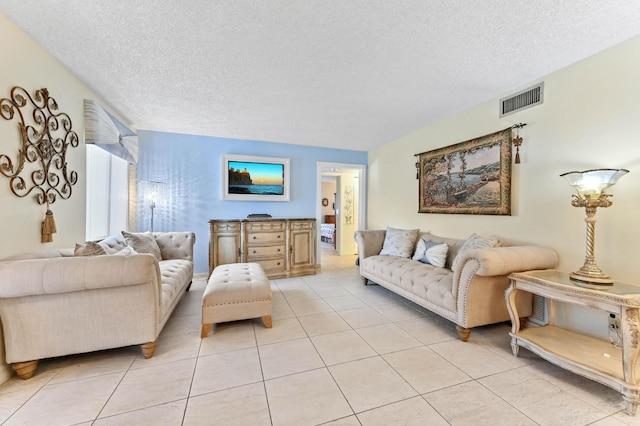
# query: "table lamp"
590,185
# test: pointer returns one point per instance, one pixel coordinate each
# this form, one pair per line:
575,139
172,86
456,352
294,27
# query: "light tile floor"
339,353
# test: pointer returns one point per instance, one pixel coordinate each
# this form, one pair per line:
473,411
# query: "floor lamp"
152,193
152,206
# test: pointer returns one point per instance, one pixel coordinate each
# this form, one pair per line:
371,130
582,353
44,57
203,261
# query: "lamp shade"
592,183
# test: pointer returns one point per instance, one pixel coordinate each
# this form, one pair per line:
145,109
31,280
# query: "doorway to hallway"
341,206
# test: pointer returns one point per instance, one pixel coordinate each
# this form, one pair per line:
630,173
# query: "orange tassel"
48,227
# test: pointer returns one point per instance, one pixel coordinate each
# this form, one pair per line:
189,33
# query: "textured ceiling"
351,74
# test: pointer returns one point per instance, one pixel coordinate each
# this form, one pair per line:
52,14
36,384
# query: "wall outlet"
614,323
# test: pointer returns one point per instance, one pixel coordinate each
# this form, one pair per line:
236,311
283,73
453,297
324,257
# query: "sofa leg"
189,286
365,281
148,349
464,333
206,328
25,370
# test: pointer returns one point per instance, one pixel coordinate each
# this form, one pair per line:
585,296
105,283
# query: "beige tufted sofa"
53,303
470,296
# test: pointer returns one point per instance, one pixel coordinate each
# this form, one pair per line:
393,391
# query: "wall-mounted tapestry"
471,177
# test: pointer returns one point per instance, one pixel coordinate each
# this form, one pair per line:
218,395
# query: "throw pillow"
90,248
399,242
431,253
473,242
143,242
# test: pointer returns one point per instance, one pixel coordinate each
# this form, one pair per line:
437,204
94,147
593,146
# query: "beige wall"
26,64
590,119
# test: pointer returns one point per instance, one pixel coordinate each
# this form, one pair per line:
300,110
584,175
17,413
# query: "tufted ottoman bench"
234,292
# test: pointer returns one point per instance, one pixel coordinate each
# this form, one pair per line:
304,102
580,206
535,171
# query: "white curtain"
105,131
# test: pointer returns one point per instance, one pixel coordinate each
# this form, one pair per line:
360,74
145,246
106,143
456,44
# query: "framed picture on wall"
248,178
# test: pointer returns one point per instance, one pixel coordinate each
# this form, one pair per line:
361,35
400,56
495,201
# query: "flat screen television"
248,178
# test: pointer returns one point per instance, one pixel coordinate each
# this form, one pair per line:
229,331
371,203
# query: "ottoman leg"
266,320
206,328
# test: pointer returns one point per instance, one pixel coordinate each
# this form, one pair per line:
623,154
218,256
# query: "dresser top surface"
260,219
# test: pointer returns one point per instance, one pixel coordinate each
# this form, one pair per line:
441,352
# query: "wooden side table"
587,356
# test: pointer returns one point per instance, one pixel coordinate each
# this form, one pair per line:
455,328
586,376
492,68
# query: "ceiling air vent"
525,99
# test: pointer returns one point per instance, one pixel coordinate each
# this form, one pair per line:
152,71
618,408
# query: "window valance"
107,132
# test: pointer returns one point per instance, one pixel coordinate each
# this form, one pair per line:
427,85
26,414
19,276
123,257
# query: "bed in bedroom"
328,230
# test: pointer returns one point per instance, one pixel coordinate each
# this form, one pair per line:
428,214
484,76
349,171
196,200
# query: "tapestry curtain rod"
515,126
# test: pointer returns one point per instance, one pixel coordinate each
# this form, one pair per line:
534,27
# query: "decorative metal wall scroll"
40,166
471,177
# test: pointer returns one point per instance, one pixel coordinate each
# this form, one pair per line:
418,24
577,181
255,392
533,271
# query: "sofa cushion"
175,273
143,242
432,253
415,278
474,241
399,242
436,287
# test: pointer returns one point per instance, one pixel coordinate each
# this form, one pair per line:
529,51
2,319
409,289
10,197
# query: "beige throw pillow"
90,248
143,242
474,241
399,242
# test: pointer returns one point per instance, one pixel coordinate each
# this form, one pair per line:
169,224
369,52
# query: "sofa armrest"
69,274
369,242
494,261
176,245
501,261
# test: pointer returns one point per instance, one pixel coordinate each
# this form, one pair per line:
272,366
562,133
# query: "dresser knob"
254,237
254,252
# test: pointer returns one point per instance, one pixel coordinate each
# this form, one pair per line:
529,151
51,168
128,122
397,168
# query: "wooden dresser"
284,247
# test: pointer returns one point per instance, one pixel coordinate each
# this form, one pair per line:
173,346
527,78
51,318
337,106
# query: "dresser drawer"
301,226
265,238
265,251
265,226
272,265
226,227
